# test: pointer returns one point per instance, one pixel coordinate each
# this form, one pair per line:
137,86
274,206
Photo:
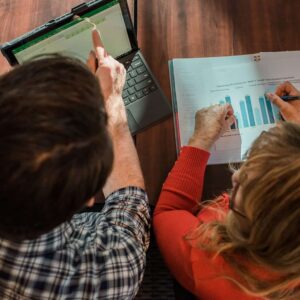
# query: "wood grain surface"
178,28
202,28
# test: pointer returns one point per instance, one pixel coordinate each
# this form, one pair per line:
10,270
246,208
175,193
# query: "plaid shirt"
93,256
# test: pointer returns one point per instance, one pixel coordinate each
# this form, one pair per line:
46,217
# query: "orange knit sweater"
174,217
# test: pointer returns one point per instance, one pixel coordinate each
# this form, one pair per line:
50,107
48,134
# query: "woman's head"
264,222
268,195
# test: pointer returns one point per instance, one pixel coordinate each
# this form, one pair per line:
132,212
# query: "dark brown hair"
55,151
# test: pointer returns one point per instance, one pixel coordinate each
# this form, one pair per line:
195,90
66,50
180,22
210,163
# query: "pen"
290,98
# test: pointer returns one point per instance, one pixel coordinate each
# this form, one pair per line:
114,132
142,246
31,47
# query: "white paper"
205,81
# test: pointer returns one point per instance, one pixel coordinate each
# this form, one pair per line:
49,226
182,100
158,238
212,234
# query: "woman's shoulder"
214,210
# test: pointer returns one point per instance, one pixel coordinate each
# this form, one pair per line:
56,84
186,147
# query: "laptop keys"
131,90
138,81
146,91
139,95
133,73
136,57
125,94
141,77
141,70
126,100
143,84
131,82
136,64
132,98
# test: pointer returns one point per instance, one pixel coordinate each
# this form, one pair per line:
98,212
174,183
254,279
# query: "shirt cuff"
126,190
127,210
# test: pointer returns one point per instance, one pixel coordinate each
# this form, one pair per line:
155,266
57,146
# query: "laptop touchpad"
151,110
133,125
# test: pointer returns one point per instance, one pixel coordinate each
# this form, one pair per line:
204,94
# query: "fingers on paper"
228,114
227,110
230,120
286,88
282,105
230,111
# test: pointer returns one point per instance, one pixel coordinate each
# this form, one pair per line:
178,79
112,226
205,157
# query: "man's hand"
290,111
210,124
110,72
111,75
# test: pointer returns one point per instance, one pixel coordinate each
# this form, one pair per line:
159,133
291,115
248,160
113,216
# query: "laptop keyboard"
139,82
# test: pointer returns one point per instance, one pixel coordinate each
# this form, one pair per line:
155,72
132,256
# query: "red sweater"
193,268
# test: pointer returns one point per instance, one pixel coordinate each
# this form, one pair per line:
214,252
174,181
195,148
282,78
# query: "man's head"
55,151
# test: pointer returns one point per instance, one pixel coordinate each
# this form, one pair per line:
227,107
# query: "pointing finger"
97,39
98,45
91,62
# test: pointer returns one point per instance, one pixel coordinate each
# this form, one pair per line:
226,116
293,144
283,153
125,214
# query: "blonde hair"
269,237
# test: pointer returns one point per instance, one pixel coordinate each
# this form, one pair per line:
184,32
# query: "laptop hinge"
79,8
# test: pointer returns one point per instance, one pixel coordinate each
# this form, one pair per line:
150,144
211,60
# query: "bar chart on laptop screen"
74,39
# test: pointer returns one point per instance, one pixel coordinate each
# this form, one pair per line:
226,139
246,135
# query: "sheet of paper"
240,81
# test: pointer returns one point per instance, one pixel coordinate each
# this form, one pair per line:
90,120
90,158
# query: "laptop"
143,98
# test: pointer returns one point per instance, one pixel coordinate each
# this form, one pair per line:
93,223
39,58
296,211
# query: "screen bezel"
7,49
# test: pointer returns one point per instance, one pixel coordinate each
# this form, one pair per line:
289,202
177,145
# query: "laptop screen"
74,38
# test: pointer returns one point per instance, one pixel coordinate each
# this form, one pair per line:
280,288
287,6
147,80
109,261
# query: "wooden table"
178,28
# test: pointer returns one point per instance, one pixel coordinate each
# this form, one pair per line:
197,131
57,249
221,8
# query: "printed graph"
247,114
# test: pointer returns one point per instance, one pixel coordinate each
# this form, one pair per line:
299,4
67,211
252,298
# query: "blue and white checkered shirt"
93,256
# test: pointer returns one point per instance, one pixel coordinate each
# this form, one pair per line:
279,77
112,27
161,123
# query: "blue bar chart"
257,116
239,80
263,112
250,111
244,114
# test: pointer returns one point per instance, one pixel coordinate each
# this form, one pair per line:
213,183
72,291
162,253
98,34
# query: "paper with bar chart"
241,81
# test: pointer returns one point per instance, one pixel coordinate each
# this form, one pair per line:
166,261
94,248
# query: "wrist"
118,130
113,97
201,143
116,112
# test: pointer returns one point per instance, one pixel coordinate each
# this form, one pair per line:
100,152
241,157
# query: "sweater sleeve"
183,187
173,217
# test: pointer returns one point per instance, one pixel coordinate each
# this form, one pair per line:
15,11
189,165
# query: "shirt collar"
51,241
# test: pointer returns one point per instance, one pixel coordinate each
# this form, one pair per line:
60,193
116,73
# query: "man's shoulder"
125,218
91,254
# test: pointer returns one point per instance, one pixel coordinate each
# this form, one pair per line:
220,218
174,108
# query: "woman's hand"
290,110
210,124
